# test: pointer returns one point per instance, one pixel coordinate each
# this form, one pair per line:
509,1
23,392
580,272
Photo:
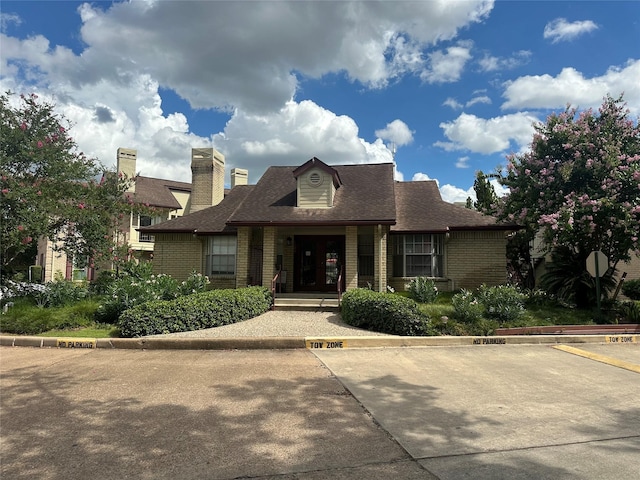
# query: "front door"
318,260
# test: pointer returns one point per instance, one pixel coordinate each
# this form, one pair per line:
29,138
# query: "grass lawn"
26,318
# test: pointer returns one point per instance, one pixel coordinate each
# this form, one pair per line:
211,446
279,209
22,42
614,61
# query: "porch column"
242,257
351,260
268,255
380,235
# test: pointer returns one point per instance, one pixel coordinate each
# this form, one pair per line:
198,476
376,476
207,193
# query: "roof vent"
315,179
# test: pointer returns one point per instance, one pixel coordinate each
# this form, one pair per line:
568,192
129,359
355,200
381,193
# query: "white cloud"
489,63
7,19
293,135
449,193
236,55
560,29
500,190
462,162
453,103
447,66
452,194
421,177
471,133
242,59
570,86
481,99
396,132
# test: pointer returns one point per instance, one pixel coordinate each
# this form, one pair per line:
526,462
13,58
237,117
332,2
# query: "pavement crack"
532,447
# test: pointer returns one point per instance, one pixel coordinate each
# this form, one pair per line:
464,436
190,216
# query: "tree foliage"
49,188
486,198
579,185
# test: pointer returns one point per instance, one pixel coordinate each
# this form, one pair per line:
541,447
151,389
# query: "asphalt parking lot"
482,412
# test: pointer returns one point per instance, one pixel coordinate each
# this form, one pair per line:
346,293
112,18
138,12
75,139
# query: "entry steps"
306,301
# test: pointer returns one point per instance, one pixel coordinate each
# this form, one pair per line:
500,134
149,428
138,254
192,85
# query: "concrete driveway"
480,412
504,412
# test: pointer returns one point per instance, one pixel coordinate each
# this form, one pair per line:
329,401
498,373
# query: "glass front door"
318,261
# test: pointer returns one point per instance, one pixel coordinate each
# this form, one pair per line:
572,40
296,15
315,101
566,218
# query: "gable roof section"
317,163
365,197
156,192
420,208
212,220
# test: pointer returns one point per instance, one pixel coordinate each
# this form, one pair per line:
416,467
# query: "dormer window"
317,183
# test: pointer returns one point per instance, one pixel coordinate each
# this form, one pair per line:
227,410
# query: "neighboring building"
318,223
169,200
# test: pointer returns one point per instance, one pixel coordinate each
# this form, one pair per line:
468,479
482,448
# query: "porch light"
289,241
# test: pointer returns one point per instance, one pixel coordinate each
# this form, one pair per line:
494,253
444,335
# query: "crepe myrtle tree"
579,185
50,189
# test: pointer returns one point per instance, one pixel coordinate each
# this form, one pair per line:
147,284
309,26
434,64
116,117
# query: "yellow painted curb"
599,358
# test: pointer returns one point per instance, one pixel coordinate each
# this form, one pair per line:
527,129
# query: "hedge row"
194,312
383,312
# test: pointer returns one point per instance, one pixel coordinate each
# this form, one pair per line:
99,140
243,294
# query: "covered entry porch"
313,259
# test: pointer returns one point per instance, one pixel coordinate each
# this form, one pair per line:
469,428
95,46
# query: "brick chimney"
239,176
126,164
207,178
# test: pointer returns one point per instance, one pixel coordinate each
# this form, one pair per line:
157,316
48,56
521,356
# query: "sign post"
597,266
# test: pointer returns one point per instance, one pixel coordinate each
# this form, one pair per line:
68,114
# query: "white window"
418,255
220,255
146,221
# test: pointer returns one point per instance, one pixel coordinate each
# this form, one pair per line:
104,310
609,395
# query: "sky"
443,88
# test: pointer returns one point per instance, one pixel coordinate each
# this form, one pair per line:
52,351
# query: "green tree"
579,185
486,198
50,189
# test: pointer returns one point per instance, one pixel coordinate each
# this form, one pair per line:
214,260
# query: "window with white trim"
418,255
146,221
220,255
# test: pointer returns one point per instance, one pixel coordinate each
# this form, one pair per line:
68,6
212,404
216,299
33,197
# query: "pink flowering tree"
50,189
579,185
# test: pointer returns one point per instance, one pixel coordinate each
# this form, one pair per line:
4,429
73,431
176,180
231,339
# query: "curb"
312,343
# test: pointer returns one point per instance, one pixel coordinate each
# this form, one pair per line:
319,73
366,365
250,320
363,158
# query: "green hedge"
194,312
383,312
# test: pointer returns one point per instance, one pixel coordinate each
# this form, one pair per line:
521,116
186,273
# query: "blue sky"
451,87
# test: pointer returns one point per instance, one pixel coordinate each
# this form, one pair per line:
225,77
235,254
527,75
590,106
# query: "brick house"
328,227
169,199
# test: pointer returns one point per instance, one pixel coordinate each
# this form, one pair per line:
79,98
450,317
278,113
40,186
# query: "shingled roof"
420,208
365,197
156,192
207,221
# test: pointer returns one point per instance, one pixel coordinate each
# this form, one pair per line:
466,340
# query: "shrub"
629,312
466,307
11,289
194,312
383,312
631,289
25,319
423,290
61,292
196,283
502,302
134,285
104,282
